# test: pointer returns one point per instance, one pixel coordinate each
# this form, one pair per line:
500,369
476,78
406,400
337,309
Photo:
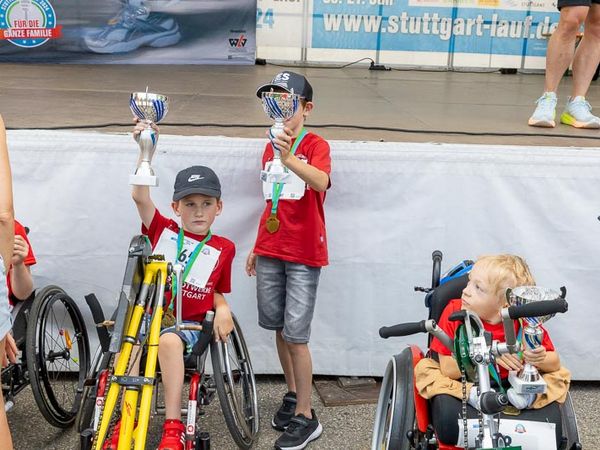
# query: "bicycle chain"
463,378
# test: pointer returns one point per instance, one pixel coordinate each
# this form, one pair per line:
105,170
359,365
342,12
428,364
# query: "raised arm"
7,219
141,194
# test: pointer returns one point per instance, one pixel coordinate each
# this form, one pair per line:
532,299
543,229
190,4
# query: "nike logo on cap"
193,178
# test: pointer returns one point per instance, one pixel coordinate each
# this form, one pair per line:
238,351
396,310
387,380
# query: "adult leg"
5,437
561,46
587,55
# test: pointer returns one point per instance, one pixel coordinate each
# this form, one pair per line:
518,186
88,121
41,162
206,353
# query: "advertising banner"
452,33
128,31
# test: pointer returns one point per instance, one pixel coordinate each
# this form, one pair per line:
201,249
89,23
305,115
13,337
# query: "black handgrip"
98,316
403,329
536,309
493,402
436,273
459,316
205,337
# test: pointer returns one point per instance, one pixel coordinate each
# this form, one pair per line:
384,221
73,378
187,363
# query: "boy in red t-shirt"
485,296
197,202
290,249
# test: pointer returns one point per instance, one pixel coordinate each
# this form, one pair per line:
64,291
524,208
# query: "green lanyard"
492,369
188,264
278,187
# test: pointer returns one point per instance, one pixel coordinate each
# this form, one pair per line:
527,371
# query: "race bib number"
293,189
204,264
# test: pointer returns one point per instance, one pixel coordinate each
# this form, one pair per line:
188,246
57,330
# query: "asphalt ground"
345,427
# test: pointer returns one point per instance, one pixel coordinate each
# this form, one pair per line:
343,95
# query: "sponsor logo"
238,42
28,23
193,178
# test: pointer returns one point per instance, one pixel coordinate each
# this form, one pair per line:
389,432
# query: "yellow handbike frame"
156,271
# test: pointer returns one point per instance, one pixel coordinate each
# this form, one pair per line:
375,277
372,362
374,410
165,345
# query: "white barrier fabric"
390,205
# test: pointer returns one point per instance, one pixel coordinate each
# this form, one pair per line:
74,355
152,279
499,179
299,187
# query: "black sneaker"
299,432
286,411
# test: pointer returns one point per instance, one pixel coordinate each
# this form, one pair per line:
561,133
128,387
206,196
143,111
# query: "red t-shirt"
197,301
497,331
301,237
29,259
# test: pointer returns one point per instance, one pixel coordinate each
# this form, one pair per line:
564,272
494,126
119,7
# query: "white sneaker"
578,114
545,112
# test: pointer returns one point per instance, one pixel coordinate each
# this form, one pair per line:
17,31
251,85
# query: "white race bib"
204,264
293,189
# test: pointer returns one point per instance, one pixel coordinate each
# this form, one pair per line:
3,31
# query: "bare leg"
302,363
561,46
170,355
5,437
286,361
587,55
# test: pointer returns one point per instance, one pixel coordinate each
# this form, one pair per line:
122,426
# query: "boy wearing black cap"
290,249
207,261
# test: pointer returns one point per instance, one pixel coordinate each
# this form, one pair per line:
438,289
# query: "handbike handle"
403,329
536,309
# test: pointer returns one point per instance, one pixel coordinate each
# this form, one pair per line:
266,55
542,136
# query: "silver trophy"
150,108
279,106
530,380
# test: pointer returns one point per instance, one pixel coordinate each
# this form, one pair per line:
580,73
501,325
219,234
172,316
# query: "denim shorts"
5,317
287,293
189,337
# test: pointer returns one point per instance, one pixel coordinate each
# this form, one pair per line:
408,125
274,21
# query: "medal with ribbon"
272,222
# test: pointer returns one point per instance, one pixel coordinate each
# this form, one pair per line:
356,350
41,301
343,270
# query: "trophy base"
274,177
526,387
143,180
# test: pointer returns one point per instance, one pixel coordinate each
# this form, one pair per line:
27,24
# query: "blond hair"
505,271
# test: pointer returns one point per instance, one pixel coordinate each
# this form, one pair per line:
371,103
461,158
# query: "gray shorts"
5,317
287,293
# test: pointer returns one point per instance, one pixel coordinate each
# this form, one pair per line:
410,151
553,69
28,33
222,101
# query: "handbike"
233,380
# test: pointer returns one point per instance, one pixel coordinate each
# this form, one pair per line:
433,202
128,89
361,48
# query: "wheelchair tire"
56,361
85,414
569,422
236,387
395,413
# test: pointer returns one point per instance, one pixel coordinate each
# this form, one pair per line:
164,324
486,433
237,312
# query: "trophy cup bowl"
530,381
150,108
279,106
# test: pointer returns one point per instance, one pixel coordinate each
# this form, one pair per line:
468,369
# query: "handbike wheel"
85,414
57,353
395,413
236,387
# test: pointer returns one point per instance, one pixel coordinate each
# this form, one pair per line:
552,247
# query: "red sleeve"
319,156
447,326
223,285
20,230
547,342
158,224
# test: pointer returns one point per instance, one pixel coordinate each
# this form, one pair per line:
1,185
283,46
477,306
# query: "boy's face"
197,212
479,296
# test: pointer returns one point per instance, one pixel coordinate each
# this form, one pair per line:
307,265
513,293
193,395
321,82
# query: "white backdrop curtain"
390,205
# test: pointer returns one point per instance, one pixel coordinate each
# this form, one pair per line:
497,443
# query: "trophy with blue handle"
530,380
150,108
279,106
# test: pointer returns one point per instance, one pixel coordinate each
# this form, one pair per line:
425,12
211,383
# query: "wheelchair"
232,379
404,420
51,336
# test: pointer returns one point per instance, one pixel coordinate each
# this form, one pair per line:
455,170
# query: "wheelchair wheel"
395,413
236,387
569,422
57,352
85,414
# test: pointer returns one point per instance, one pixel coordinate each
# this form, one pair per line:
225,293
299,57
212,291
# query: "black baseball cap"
289,81
196,180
